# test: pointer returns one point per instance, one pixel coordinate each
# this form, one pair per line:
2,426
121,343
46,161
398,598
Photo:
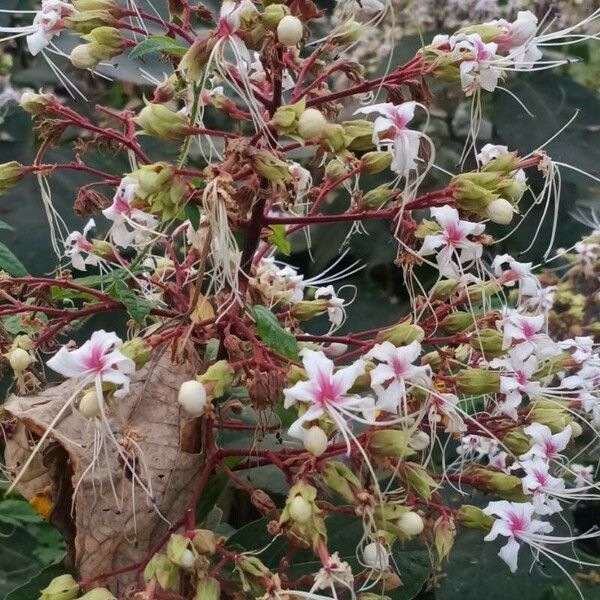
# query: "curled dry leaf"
111,523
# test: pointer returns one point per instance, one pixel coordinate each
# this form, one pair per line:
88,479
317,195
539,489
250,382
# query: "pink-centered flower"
390,131
542,485
77,244
546,445
396,371
515,521
510,272
326,393
98,359
476,66
452,242
526,331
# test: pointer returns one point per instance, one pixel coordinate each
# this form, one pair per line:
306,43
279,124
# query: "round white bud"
89,405
576,429
19,359
192,397
411,523
419,440
187,560
375,556
300,510
81,58
289,30
316,441
500,211
311,124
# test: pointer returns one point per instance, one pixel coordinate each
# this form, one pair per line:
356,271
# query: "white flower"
76,244
335,304
229,24
515,521
444,405
475,446
584,347
452,241
518,39
48,22
390,131
476,66
130,225
395,370
525,330
99,358
510,271
583,475
541,484
326,393
334,572
546,445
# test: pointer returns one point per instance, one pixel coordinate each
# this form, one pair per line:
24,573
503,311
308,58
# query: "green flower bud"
218,376
138,350
178,550
196,58
416,479
35,104
159,121
305,310
512,189
339,478
401,334
517,441
205,541
444,534
458,321
347,32
98,594
427,227
273,14
433,359
166,573
85,22
378,197
390,443
335,137
477,381
481,291
472,517
311,124
11,174
335,170
487,341
375,162
208,588
6,64
505,163
63,587
301,515
506,486
444,289
110,6
286,117
486,31
269,166
551,413
359,135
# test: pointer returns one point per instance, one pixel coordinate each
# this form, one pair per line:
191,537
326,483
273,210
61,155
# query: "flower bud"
35,104
359,135
157,120
196,58
87,5
411,523
347,32
219,376
98,594
63,587
401,334
290,31
458,321
502,484
477,381
6,64
11,174
472,517
416,479
138,350
306,310
178,551
165,571
302,517
487,341
487,32
273,14
419,440
192,397
316,441
311,124
267,165
390,442
104,43
81,57
334,135
552,414
204,542
517,441
444,534
512,189
506,163
375,162
89,405
208,588
286,117
375,556
500,211
377,197
444,289
19,360
85,22
339,478
335,169
300,510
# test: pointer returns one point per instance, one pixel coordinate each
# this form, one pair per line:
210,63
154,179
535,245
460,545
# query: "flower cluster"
487,379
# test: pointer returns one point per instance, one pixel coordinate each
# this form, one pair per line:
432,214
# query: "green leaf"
40,580
192,212
4,225
10,263
278,239
158,43
273,334
18,512
137,307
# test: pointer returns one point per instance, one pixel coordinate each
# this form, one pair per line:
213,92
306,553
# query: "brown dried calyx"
104,533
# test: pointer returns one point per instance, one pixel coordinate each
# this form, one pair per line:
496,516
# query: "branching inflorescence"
487,383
